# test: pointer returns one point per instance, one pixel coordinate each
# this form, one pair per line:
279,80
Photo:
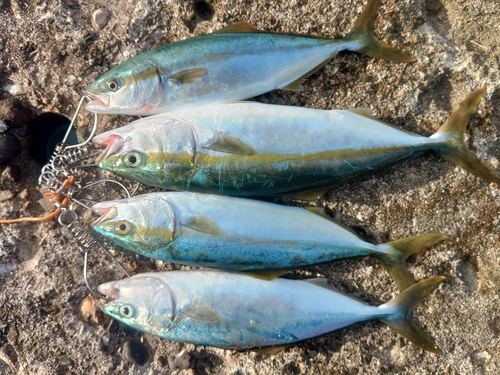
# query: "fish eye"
127,311
123,227
132,159
112,85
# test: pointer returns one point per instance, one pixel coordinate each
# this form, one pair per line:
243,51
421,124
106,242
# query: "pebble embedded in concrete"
100,18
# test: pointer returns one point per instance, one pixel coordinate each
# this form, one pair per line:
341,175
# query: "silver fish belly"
234,311
235,63
259,149
237,234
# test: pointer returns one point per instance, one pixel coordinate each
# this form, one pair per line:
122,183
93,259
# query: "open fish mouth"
106,211
97,101
113,144
108,290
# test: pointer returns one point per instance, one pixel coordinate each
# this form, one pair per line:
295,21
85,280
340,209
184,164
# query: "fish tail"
393,259
402,305
363,33
453,147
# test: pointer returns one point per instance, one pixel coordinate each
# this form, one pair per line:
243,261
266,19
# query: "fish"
234,63
255,149
239,312
245,235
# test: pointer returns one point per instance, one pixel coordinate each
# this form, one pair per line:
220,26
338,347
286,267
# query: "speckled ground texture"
50,51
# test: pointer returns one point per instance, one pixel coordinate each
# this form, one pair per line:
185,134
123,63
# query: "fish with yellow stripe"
235,63
245,235
234,311
253,149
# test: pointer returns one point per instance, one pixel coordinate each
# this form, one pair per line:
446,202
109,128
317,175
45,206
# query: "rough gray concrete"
50,50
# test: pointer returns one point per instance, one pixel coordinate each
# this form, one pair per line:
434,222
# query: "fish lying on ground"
237,234
259,149
235,311
235,63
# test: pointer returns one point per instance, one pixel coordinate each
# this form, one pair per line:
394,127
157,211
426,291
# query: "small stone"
119,29
9,147
181,361
5,195
90,312
12,240
135,351
64,360
100,18
3,126
482,356
24,194
11,172
12,336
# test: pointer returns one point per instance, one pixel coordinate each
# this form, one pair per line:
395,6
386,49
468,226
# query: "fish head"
144,224
125,91
153,151
144,302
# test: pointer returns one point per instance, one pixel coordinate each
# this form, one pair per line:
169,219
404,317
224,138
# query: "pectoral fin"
238,27
187,77
201,312
230,144
203,224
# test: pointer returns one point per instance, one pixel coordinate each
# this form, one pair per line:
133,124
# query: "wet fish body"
250,148
235,63
237,234
234,311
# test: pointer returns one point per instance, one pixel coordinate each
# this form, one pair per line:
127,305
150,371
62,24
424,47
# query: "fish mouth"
106,211
113,144
109,291
97,102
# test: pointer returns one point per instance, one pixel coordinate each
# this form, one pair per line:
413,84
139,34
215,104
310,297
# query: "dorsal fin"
238,27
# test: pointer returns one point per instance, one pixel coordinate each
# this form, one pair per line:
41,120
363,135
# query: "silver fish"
237,234
235,63
260,149
235,311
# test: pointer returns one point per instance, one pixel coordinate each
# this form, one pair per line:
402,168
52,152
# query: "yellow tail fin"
363,30
453,147
402,304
